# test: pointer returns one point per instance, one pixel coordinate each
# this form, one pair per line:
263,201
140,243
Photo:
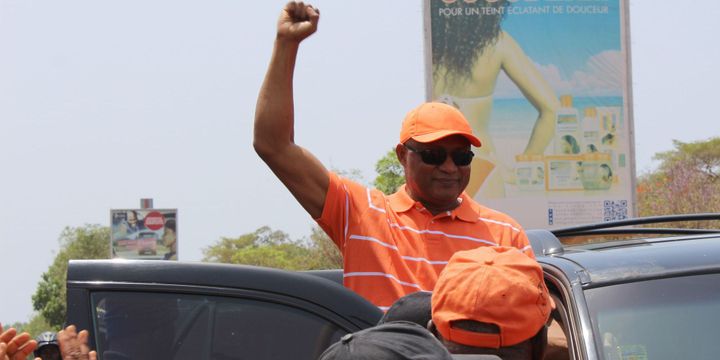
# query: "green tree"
390,174
686,181
703,156
87,242
326,253
34,327
265,247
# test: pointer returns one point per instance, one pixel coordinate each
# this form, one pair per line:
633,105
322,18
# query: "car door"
182,325
136,310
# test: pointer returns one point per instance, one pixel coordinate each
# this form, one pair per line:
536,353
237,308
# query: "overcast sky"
103,103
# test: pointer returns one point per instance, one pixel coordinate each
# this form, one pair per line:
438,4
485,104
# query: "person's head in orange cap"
435,152
492,300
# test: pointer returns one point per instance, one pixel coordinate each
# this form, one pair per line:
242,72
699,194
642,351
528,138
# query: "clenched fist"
297,21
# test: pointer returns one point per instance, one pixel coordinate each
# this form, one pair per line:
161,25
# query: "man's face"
436,186
131,219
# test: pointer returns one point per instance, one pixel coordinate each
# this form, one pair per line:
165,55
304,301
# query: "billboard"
144,234
545,84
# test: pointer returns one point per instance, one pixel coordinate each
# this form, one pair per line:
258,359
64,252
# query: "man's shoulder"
355,189
346,182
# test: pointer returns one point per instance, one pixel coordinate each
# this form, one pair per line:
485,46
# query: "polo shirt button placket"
430,222
436,218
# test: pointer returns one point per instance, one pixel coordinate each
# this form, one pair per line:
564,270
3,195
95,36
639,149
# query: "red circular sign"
154,220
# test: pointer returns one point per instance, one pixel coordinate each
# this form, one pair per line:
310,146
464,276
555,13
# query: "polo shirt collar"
401,201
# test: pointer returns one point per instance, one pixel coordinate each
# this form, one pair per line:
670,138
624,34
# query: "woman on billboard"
469,49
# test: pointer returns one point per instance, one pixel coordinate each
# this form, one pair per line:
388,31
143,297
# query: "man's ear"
401,152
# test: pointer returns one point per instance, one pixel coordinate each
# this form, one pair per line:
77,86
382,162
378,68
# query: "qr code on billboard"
615,210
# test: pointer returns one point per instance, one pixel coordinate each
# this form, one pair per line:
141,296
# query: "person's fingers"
66,337
8,335
25,350
300,11
290,6
83,336
16,342
72,344
61,337
93,355
83,342
71,329
313,14
310,13
22,338
290,9
3,348
63,341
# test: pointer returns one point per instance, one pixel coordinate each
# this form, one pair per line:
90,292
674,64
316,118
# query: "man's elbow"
271,149
262,148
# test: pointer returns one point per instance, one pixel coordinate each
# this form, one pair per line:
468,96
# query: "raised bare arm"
302,173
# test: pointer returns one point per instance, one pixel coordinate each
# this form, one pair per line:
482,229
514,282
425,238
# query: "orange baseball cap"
496,285
433,121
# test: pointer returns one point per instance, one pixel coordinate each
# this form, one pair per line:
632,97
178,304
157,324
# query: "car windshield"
672,318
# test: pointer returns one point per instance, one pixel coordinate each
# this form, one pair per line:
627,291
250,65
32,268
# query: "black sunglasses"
438,156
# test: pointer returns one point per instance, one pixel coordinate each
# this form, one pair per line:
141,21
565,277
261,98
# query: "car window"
141,325
673,318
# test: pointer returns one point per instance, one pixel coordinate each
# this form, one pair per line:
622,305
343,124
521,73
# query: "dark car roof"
641,259
316,289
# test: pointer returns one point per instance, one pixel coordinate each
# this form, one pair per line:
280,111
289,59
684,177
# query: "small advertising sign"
144,234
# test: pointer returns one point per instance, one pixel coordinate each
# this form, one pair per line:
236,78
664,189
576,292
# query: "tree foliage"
265,247
87,242
327,253
703,156
34,327
685,182
390,173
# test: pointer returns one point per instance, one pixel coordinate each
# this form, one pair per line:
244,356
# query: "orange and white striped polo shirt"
392,246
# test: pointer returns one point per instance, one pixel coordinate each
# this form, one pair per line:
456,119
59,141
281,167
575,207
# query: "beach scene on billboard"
544,84
149,234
